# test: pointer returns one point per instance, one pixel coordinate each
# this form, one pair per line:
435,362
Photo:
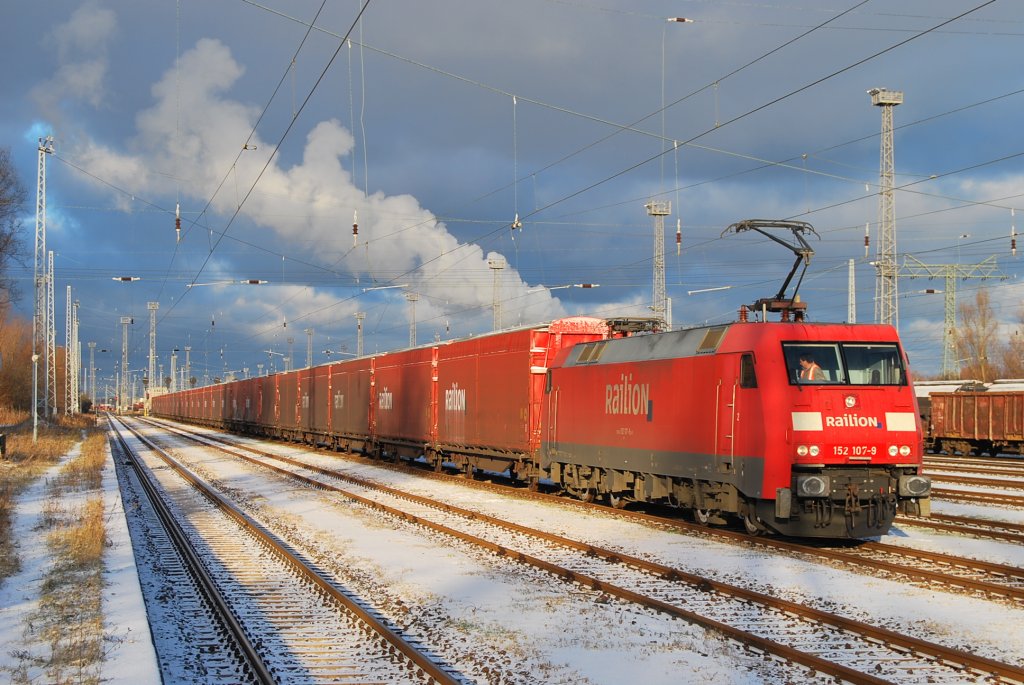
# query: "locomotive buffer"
800,247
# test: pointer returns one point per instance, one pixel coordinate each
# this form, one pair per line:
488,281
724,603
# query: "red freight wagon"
490,389
287,396
347,404
268,404
248,400
300,412
977,422
401,400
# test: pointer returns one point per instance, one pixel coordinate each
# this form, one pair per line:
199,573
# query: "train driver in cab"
809,369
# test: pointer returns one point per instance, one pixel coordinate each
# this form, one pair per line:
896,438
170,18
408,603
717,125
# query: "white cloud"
81,44
199,139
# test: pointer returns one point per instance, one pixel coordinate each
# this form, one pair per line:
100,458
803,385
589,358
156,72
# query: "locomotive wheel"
752,524
702,516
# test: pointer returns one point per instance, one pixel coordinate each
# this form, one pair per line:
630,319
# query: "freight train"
714,419
971,417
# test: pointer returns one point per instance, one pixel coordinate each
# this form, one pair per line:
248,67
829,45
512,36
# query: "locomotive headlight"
915,486
801,450
813,486
814,450
893,450
904,451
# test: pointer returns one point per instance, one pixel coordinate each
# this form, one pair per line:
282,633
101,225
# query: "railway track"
974,497
295,624
967,525
960,479
927,569
974,465
822,642
183,602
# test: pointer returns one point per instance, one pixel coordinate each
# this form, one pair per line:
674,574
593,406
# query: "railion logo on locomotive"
455,398
385,400
852,421
627,397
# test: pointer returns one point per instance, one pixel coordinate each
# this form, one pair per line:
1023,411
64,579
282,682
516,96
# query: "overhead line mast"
659,210
39,320
886,304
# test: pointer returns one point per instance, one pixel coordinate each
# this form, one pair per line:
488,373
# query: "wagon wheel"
617,502
702,516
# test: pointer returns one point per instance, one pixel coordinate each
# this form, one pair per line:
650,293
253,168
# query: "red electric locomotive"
720,420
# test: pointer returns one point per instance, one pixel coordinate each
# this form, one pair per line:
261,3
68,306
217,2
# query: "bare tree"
16,357
12,201
1013,353
976,345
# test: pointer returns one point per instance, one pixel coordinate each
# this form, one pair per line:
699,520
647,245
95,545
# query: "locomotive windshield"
844,363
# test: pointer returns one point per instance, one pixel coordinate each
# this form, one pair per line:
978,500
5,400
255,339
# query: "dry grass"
67,626
86,471
26,460
9,416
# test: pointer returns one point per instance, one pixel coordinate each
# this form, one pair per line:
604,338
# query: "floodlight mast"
886,282
800,247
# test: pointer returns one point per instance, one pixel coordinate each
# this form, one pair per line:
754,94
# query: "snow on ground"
541,629
132,658
129,654
19,593
953,619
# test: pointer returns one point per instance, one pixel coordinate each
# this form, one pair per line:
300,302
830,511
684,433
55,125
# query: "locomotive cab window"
874,364
813,363
844,363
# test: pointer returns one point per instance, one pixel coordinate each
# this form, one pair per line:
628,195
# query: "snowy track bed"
907,662
295,626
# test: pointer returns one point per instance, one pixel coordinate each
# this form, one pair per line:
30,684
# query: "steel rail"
194,565
425,665
983,482
932,467
988,528
981,497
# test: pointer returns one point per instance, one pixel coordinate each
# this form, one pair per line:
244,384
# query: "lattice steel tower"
886,290
985,269
153,381
659,210
496,264
39,329
412,298
51,338
92,373
359,333
122,390
71,361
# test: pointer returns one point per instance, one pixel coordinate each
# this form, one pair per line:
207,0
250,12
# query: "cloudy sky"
438,124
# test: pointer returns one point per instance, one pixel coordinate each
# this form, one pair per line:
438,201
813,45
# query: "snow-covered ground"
509,624
569,636
128,647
